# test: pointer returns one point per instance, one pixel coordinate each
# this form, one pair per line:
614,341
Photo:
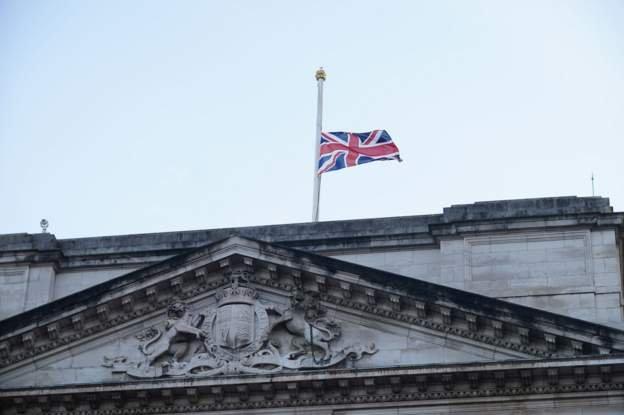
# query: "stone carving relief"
240,335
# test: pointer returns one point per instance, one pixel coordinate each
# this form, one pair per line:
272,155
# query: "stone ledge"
519,208
374,233
566,364
461,383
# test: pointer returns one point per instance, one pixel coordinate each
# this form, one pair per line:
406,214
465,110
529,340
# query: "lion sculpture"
305,320
177,337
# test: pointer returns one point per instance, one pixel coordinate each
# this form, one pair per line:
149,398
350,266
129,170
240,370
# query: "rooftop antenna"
44,225
592,179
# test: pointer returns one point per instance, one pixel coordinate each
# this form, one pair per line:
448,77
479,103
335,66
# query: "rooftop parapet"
317,236
518,208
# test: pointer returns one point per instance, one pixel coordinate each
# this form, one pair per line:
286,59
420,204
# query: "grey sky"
129,117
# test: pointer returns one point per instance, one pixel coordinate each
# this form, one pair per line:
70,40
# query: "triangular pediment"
361,343
242,306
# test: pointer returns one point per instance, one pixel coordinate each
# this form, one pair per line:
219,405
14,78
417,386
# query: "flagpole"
320,78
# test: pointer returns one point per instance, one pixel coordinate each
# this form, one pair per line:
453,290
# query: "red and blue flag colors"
341,149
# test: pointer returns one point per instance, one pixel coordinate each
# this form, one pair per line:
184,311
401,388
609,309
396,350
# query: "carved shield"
234,326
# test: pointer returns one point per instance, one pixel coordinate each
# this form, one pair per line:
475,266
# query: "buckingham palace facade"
501,307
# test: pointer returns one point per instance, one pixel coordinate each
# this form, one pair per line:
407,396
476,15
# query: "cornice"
336,236
398,385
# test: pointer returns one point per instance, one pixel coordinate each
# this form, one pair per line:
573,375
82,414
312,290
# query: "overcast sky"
128,117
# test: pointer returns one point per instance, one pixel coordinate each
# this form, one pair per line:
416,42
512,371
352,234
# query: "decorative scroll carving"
240,335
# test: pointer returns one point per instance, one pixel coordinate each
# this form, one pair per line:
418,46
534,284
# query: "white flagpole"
320,78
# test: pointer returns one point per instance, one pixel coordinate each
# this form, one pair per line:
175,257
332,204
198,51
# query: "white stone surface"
40,286
69,282
24,287
417,263
13,286
575,273
572,272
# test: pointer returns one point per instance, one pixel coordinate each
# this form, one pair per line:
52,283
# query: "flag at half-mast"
342,149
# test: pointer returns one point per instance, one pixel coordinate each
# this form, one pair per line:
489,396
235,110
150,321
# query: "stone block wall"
14,283
575,273
25,287
418,263
561,254
69,282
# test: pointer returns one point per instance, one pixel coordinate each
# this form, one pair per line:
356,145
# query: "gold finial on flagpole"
320,80
320,74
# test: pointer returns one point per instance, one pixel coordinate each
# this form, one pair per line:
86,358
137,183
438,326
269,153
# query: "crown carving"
236,293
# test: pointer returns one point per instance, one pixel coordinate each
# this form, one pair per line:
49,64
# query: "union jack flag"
340,149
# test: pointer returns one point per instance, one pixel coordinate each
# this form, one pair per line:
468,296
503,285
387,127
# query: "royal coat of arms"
240,335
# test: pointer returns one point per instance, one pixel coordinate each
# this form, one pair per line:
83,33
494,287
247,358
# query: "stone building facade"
505,307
